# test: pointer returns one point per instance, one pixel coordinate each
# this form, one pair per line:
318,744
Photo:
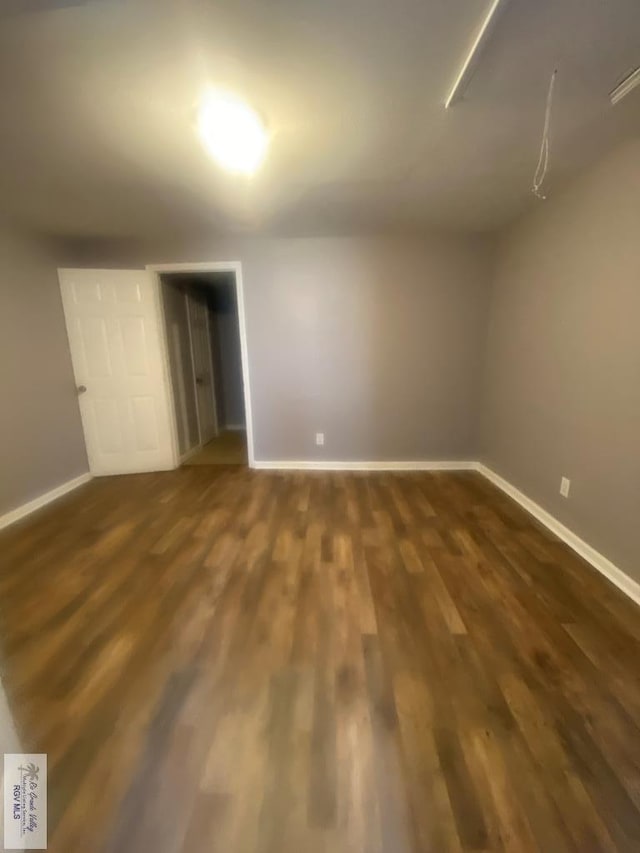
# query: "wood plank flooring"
229,447
217,659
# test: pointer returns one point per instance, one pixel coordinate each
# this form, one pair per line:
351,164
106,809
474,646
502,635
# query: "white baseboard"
321,465
26,509
629,586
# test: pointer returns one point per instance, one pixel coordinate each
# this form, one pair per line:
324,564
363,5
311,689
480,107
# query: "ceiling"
99,99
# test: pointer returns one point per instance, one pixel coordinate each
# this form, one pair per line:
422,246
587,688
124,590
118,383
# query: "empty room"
320,426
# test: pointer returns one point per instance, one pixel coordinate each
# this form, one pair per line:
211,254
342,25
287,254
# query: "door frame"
207,266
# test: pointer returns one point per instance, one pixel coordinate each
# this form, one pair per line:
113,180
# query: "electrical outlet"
565,485
319,439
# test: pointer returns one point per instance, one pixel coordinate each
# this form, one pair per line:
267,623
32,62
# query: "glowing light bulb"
232,132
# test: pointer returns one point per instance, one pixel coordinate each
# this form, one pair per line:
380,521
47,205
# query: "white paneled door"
113,322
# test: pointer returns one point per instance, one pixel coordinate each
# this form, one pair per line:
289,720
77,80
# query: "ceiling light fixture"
627,85
232,132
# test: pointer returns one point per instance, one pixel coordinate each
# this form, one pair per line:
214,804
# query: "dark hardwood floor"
220,659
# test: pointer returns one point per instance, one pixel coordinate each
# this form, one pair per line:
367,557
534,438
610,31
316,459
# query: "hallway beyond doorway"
227,448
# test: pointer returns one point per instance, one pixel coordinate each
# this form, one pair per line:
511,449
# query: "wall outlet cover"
319,438
565,485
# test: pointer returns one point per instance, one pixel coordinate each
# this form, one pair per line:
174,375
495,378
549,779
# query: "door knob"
81,389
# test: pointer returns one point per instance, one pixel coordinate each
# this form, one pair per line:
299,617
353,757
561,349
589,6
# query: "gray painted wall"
179,348
562,394
41,438
377,343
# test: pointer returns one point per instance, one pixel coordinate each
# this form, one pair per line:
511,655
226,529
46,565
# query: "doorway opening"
203,325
